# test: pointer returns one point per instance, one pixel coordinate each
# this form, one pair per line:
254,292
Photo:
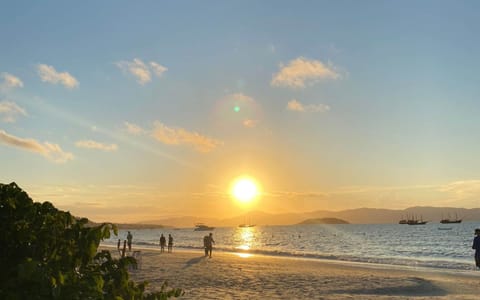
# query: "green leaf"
52,255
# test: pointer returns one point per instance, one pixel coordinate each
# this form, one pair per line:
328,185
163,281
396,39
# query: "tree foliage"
46,253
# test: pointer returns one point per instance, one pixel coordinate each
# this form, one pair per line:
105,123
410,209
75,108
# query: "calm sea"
394,244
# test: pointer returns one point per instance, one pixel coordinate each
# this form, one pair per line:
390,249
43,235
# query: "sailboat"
246,225
450,221
415,221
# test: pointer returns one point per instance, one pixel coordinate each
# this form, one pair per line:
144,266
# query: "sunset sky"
129,111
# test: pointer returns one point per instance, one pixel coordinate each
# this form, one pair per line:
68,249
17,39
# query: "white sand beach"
236,276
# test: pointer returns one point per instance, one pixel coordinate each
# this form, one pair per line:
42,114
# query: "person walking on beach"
476,246
163,242
170,243
209,244
129,241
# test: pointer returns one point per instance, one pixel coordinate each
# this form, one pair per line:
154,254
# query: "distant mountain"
186,221
131,225
354,216
323,221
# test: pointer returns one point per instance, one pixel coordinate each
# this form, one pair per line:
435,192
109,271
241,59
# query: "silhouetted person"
209,244
205,244
129,239
118,245
476,246
170,243
124,248
163,242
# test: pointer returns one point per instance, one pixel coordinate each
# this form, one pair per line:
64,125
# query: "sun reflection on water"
244,247
245,239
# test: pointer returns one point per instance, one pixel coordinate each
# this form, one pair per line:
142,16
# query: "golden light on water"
244,189
244,247
245,239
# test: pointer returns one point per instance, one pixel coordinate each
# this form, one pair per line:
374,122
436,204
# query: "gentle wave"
391,244
442,264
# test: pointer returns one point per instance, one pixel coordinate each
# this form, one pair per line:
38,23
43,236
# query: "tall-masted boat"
416,221
450,221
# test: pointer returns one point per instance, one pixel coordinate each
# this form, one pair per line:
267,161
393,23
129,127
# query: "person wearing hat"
476,246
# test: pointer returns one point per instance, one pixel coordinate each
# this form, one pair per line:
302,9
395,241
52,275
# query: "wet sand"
231,276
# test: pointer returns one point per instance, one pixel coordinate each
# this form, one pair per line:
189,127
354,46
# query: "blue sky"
342,104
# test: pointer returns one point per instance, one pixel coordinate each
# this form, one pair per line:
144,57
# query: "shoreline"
372,265
231,276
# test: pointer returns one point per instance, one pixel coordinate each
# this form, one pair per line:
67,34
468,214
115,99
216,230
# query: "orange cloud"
51,151
301,72
181,136
49,74
9,111
89,144
295,105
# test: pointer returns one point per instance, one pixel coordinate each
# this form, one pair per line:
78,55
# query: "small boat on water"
202,227
246,225
444,228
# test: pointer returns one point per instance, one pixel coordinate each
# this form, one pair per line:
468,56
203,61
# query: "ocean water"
393,244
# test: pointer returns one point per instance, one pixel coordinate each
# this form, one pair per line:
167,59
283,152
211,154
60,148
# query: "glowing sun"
244,189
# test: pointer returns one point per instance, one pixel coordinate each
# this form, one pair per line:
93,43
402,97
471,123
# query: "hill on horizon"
323,221
353,216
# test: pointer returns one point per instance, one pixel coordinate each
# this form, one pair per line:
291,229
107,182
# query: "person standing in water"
163,242
170,243
476,246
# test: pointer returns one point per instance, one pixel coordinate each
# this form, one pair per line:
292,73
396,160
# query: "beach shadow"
417,287
193,261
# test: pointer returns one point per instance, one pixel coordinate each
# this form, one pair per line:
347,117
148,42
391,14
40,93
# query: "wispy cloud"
51,151
462,188
9,111
134,128
181,136
295,105
89,144
240,98
9,81
137,68
140,70
49,74
301,72
157,68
